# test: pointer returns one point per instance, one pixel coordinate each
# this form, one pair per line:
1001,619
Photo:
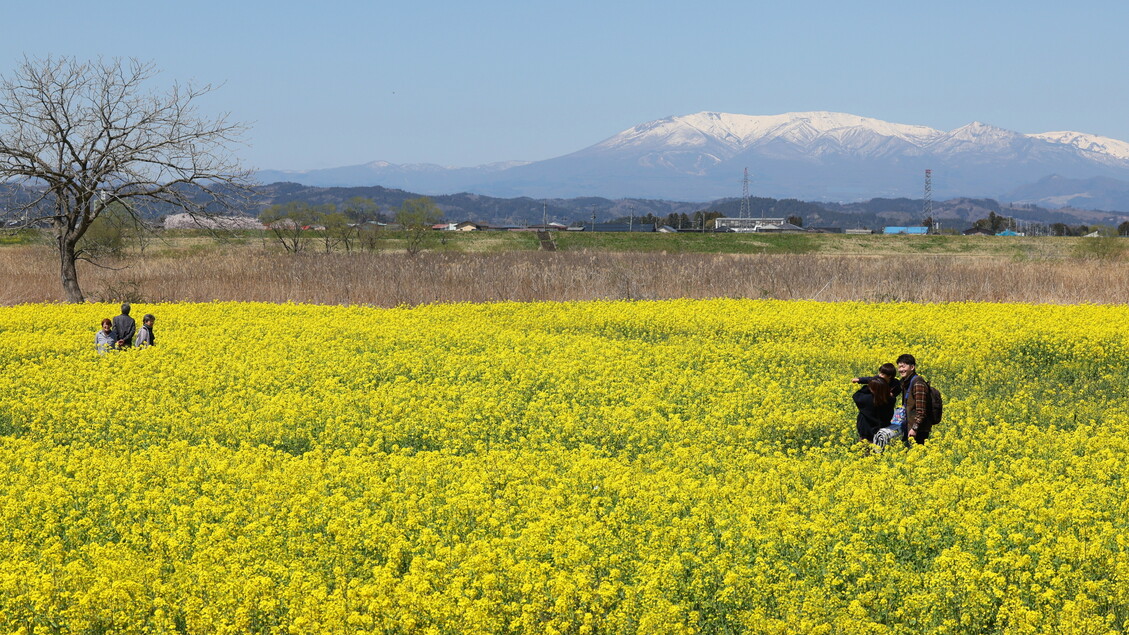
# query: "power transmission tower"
927,204
745,213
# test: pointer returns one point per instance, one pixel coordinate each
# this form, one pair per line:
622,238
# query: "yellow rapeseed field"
594,467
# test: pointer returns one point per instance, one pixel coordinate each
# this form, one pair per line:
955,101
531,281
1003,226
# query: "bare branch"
100,265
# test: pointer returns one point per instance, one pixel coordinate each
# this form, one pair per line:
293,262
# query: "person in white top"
104,339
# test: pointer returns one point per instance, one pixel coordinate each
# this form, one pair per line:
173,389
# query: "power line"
927,204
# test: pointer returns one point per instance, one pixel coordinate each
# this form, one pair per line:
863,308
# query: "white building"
755,225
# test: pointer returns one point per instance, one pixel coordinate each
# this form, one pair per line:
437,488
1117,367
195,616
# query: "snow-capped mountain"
808,155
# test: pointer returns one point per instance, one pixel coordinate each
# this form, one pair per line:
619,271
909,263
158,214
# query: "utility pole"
745,195
927,204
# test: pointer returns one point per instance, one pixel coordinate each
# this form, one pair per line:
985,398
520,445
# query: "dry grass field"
506,267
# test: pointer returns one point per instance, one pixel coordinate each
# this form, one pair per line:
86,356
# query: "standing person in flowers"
915,399
876,408
868,425
125,328
104,338
145,334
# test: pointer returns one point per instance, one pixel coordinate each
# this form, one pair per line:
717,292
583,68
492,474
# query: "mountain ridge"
815,155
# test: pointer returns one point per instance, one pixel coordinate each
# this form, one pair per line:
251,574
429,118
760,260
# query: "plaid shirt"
915,398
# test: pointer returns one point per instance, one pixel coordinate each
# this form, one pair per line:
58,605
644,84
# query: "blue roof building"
917,231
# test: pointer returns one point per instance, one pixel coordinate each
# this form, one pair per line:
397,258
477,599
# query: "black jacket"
871,418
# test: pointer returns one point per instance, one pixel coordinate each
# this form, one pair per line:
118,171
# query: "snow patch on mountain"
731,134
724,135
1087,142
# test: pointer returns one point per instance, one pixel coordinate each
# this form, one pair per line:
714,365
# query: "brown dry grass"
252,273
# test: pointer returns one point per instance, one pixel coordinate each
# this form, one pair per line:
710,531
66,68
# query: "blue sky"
340,83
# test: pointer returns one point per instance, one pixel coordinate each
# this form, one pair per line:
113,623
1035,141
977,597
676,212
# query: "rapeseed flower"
679,466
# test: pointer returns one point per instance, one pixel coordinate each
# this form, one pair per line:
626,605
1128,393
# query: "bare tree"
416,216
291,223
79,136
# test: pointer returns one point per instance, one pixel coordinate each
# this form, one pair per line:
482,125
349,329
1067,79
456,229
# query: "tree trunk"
67,271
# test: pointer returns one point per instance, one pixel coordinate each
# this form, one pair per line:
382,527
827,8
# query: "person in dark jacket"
876,408
145,336
125,328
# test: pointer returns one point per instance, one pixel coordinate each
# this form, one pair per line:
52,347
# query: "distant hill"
474,207
956,213
1099,192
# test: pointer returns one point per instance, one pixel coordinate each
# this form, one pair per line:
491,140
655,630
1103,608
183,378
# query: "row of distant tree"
997,223
1060,229
697,220
356,224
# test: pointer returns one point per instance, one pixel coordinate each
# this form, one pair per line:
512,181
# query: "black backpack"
934,404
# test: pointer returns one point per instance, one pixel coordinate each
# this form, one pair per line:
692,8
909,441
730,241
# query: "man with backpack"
919,399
